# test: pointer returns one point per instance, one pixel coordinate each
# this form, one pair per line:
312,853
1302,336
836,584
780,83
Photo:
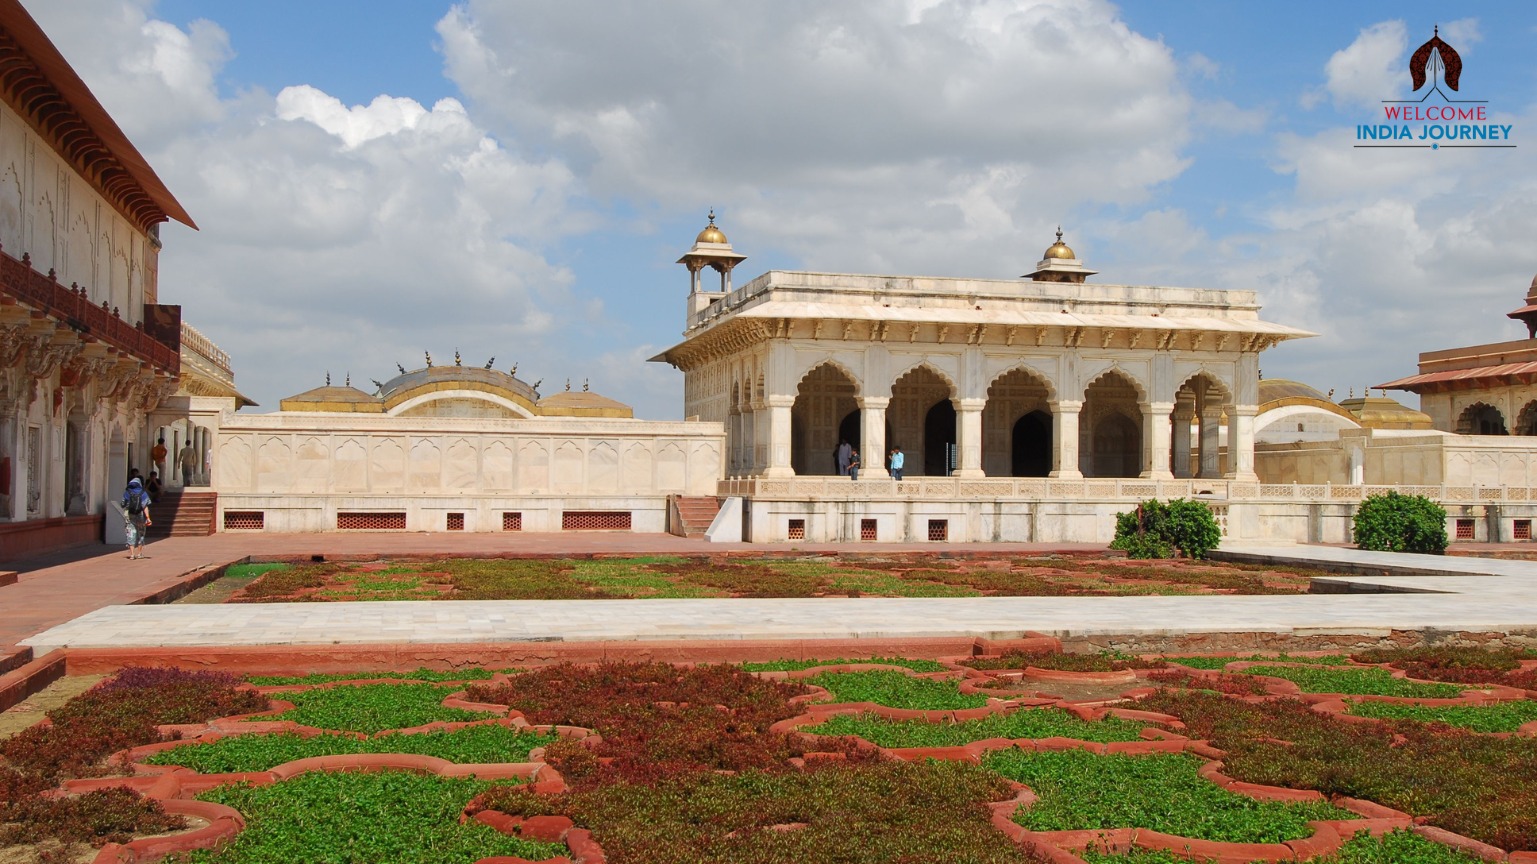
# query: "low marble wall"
352,457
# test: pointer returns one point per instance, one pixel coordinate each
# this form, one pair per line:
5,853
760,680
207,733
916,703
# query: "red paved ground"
62,586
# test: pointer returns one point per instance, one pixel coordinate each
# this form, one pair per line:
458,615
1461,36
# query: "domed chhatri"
1059,249
1059,263
712,250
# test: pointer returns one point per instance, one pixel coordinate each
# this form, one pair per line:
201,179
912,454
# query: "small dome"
711,234
1059,249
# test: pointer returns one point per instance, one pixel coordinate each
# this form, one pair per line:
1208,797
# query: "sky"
375,181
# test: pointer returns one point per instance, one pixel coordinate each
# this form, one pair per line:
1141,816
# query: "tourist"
153,486
853,464
158,455
897,461
136,520
187,459
843,456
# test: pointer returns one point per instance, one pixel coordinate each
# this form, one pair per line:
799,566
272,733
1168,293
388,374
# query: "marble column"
872,436
1155,440
968,421
1211,420
1064,440
779,436
1240,443
1184,412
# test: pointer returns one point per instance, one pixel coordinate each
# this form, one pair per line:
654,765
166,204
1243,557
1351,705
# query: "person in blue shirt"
135,506
897,461
853,464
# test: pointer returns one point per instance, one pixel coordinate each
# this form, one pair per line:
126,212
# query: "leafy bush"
1157,530
1400,523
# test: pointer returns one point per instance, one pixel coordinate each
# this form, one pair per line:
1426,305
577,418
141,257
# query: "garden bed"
866,760
724,576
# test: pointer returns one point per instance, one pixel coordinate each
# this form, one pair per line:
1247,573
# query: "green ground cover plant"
896,690
1215,663
1103,662
254,569
1502,717
474,673
1394,847
788,665
371,708
1355,682
1474,785
348,817
1023,723
1079,790
470,745
863,812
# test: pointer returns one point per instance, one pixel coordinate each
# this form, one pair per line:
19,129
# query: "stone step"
695,515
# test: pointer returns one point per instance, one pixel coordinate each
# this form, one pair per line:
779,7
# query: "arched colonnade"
1023,426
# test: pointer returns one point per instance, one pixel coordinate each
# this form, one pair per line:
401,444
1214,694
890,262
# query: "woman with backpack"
136,516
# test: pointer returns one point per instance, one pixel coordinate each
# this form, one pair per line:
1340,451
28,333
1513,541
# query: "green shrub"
1400,523
1157,530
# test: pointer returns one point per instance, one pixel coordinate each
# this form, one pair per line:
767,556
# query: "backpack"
136,504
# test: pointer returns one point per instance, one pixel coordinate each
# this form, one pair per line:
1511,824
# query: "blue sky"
536,215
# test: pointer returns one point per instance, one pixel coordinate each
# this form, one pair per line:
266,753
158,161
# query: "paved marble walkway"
1480,595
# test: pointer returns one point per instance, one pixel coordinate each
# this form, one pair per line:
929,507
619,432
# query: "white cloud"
917,137
1367,71
334,237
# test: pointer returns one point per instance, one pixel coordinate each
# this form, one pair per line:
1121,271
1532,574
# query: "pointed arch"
926,365
1526,421
1108,376
826,395
1012,447
1481,418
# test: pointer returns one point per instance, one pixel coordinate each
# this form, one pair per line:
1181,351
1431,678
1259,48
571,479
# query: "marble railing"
1048,489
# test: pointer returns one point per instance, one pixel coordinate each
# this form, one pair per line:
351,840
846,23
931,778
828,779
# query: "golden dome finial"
1059,249
712,234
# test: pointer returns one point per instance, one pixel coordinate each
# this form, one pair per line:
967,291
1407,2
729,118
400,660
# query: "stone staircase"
184,514
694,515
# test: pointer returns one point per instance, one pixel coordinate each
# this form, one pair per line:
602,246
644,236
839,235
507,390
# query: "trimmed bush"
1400,523
1158,530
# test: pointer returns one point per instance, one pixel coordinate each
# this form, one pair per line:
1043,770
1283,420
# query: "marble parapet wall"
307,454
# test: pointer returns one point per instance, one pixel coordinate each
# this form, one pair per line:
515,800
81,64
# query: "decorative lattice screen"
244,520
371,521
595,520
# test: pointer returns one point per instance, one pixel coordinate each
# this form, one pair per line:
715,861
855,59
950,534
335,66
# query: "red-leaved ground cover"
656,720
1460,665
121,712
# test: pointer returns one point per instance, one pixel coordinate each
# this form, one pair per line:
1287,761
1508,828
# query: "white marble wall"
303,468
1402,458
51,213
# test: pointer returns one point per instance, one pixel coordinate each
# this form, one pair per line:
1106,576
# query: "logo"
1435,120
